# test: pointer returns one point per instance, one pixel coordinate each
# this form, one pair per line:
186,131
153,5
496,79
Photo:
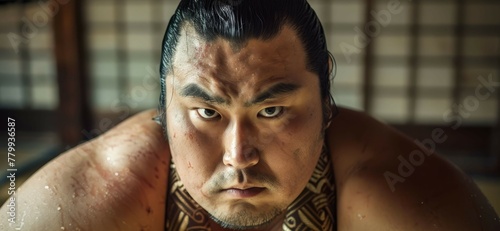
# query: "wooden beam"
495,148
458,60
368,63
74,111
122,53
413,61
25,67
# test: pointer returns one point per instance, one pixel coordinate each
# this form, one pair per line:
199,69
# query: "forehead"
218,64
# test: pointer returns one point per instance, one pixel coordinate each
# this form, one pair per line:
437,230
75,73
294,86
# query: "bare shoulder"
386,181
114,182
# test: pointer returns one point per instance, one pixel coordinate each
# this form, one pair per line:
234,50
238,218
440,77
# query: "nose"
240,150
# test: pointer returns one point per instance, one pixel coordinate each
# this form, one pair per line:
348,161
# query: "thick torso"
92,197
314,208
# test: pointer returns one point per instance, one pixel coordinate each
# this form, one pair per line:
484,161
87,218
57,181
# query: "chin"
243,216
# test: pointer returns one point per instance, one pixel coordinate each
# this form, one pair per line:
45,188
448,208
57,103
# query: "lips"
243,192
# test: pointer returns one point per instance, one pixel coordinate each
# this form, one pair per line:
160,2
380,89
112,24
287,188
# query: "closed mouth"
243,192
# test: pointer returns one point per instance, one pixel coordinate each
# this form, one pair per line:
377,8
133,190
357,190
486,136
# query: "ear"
329,104
328,112
330,62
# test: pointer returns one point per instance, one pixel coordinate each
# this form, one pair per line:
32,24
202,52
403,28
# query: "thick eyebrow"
275,91
193,90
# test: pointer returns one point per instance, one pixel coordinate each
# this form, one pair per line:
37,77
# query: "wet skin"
362,150
241,122
118,181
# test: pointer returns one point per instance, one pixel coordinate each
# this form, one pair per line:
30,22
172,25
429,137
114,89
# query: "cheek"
190,150
300,144
303,131
293,176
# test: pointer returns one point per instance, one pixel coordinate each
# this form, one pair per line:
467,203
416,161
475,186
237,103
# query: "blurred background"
70,70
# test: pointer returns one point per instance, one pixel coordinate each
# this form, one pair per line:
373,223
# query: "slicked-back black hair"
238,21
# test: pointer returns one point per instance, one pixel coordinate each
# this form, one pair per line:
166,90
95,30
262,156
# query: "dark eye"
207,113
270,112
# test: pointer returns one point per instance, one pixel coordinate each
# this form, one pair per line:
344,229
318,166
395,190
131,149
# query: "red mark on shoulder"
189,165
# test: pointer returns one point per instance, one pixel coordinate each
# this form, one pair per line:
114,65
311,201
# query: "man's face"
244,126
